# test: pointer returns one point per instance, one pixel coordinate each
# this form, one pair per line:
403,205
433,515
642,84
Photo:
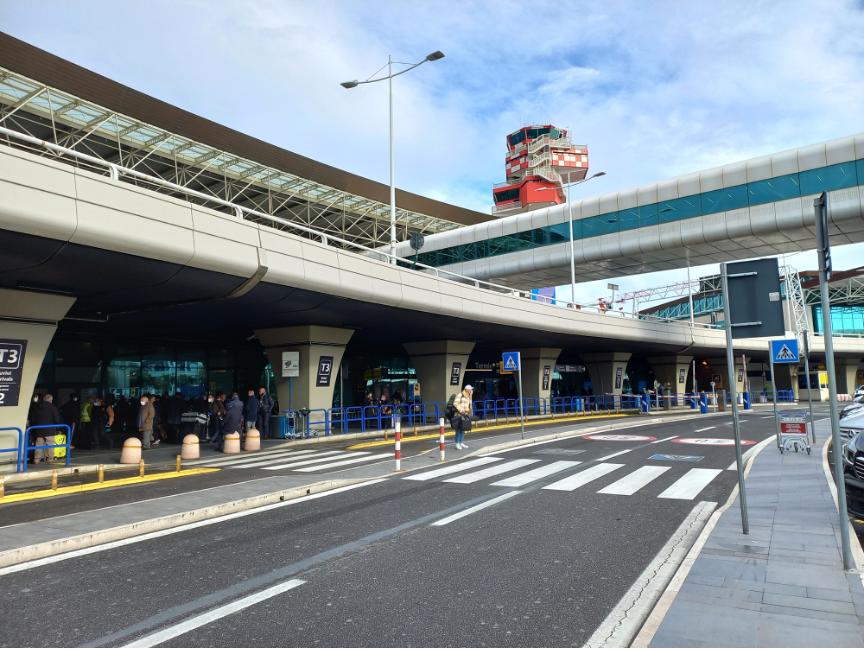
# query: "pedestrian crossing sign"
510,361
785,351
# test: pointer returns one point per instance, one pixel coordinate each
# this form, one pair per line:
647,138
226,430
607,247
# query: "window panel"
774,189
825,179
645,215
729,198
677,209
600,225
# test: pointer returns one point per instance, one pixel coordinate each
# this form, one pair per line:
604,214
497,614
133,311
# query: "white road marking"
705,429
635,481
306,456
318,459
452,469
471,511
581,478
230,461
537,473
664,440
691,484
626,451
479,475
753,450
767,417
213,615
251,456
32,564
341,463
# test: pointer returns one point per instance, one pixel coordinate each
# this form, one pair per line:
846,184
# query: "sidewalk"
781,586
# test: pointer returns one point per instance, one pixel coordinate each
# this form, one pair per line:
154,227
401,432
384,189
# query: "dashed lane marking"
705,429
472,510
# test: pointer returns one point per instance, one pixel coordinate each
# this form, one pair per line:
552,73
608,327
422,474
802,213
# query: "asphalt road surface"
532,546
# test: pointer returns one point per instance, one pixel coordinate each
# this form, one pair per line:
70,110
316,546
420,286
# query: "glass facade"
845,319
832,177
109,369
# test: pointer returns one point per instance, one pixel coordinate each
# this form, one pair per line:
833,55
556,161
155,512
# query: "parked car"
856,404
853,474
860,390
851,425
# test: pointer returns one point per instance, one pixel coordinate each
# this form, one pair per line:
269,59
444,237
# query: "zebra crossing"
612,478
686,487
304,461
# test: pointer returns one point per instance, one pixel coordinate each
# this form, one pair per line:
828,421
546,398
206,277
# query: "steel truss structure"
55,116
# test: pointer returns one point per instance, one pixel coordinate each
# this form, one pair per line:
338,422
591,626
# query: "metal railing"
503,207
28,447
18,450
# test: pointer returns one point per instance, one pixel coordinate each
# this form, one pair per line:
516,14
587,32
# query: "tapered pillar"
538,364
440,367
719,366
320,349
27,324
607,370
847,375
671,371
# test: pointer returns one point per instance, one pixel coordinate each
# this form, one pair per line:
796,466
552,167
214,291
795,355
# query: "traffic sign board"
511,361
785,351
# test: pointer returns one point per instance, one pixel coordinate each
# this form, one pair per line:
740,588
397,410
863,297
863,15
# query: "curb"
55,547
63,471
854,542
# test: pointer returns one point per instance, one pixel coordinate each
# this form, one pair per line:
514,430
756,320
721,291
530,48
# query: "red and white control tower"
539,161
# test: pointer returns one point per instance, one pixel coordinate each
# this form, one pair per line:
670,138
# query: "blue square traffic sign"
510,361
785,351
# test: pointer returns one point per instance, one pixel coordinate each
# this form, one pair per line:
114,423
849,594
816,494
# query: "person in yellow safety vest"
86,408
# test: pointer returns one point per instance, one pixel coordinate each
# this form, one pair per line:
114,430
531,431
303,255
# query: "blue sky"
654,89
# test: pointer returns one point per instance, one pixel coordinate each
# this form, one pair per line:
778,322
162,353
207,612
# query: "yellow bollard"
54,480
101,473
141,468
179,461
415,430
2,487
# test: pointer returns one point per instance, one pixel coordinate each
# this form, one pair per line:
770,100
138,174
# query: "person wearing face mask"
233,420
46,414
101,417
265,405
146,415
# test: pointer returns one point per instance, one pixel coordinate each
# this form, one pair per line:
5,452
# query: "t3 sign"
11,368
325,369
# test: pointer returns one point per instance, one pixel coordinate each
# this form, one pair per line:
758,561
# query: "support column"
672,371
607,370
318,346
438,364
847,375
535,364
27,323
719,366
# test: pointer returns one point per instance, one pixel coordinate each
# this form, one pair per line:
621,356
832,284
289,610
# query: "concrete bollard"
190,449
232,443
131,453
253,440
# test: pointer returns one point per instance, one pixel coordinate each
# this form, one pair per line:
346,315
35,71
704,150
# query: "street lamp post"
572,252
352,84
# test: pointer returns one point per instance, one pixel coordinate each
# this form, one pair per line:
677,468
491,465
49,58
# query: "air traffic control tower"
539,160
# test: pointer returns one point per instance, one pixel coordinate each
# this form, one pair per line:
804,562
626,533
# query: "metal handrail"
27,446
18,451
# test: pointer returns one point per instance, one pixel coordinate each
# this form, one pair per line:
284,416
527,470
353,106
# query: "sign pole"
823,243
809,394
521,405
774,398
733,389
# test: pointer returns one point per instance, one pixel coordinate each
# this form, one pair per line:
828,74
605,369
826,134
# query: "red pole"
398,446
441,439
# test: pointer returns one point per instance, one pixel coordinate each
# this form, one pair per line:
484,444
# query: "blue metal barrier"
18,452
67,445
748,405
310,422
703,403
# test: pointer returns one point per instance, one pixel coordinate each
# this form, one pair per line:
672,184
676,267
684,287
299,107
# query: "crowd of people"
157,419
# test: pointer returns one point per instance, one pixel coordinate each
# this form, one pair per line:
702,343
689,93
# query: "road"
484,555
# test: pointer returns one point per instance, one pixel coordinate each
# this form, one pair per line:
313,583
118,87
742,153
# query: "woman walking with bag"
462,421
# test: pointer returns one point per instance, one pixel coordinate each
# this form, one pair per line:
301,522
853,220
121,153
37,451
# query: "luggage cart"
793,431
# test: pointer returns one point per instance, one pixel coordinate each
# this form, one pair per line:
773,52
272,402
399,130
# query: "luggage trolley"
793,431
